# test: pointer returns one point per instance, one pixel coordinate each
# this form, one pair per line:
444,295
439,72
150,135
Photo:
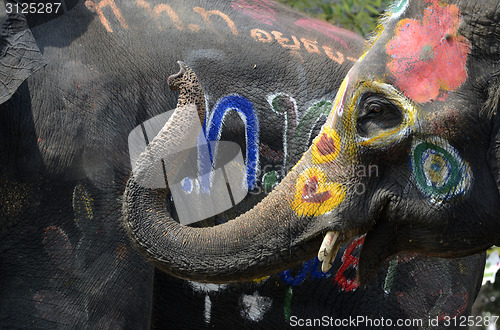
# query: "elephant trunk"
272,236
260,242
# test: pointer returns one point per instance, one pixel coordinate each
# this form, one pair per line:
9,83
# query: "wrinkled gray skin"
74,86
72,89
396,211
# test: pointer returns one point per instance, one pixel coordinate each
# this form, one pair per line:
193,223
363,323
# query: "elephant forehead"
420,52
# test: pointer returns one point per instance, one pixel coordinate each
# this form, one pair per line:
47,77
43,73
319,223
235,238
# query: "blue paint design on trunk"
246,111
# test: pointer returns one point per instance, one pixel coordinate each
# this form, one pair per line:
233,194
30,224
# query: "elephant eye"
375,114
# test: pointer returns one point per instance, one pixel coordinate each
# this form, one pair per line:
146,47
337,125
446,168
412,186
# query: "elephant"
81,77
257,303
402,107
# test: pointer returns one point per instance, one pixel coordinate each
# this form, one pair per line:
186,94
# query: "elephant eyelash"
374,103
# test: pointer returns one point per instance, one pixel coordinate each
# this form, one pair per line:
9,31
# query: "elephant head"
409,155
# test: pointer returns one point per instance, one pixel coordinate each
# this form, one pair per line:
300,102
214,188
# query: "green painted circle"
438,169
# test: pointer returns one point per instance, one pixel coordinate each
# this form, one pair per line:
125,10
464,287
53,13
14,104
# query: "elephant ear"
19,53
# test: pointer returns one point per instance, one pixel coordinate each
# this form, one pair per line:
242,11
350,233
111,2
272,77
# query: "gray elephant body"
74,91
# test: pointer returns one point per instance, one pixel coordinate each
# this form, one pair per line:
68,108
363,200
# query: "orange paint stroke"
261,35
335,33
97,8
206,17
329,52
283,41
194,27
311,46
158,9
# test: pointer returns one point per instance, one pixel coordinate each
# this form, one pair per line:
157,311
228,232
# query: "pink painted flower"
428,58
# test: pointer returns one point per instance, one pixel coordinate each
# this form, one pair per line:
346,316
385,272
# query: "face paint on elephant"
419,106
409,111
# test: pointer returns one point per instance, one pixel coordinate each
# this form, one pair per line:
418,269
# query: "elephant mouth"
332,240
379,243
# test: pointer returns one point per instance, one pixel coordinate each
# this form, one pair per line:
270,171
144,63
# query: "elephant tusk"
327,245
328,262
328,250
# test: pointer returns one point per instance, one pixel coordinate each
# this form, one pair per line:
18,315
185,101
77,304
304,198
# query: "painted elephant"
79,77
403,289
404,109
